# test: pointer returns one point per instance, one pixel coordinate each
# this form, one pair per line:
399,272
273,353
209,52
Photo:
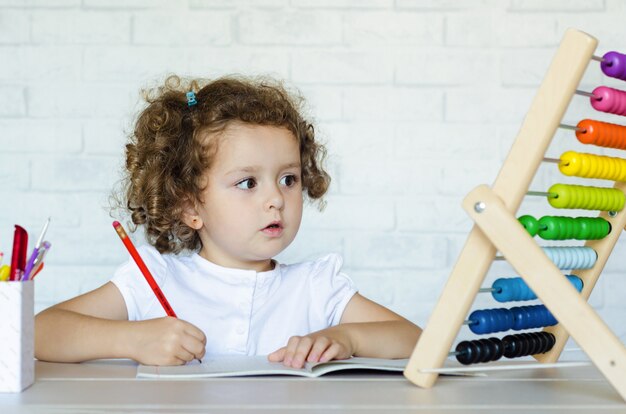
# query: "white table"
111,386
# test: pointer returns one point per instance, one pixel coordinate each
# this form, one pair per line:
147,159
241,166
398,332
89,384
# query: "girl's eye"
288,180
246,184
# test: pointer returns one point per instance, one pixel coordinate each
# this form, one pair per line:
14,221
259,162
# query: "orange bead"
602,134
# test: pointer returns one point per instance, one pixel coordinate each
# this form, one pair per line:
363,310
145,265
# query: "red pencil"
144,269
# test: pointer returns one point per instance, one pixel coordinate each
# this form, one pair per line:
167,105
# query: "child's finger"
184,355
167,361
304,346
194,346
201,354
319,346
331,353
195,332
290,352
277,355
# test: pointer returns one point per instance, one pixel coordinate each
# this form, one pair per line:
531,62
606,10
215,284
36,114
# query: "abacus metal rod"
542,193
598,59
573,128
552,160
587,94
555,161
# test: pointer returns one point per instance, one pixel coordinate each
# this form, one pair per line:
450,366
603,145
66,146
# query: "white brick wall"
418,100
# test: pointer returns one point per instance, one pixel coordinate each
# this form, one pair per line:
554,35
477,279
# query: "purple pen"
33,256
43,250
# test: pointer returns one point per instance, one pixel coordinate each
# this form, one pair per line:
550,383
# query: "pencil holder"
17,336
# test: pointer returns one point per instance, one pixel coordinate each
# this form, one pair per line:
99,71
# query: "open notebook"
239,366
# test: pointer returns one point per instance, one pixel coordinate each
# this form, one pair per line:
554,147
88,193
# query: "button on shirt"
241,312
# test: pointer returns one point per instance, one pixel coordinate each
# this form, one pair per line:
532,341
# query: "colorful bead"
601,134
614,65
610,100
586,198
592,166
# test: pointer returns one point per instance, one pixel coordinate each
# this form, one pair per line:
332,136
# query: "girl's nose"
275,199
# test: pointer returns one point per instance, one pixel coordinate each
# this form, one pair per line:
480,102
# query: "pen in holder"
17,335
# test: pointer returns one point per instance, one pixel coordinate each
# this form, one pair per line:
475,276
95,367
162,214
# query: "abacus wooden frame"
496,228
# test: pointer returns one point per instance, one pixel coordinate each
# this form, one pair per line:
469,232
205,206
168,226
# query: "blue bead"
191,98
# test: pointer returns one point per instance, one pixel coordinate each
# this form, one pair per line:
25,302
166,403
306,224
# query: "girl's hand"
166,341
321,346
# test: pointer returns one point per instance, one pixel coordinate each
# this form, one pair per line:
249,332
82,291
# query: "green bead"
549,228
530,224
595,228
569,228
586,228
563,195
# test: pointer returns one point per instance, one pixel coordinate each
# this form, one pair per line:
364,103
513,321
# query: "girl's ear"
191,217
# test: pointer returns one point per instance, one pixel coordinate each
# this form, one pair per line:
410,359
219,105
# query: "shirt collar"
233,274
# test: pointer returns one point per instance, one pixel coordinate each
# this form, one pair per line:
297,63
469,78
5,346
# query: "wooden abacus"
496,228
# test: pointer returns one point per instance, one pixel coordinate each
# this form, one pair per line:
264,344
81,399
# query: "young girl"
219,170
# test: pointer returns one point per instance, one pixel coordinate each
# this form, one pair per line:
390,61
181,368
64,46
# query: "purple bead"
614,65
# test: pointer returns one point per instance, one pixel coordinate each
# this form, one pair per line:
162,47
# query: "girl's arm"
377,332
367,329
95,325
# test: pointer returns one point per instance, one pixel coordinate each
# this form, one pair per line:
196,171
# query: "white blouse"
241,312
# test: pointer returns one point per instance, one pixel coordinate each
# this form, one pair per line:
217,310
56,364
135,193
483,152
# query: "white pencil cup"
17,335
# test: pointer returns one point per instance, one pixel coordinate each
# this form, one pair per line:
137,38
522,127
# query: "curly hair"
168,152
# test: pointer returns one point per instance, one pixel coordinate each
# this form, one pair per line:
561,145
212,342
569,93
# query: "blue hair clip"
191,99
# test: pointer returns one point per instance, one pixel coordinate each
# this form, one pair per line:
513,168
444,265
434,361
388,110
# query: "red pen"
18,258
36,270
144,269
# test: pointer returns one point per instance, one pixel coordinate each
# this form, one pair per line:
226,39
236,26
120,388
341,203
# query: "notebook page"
359,363
221,366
